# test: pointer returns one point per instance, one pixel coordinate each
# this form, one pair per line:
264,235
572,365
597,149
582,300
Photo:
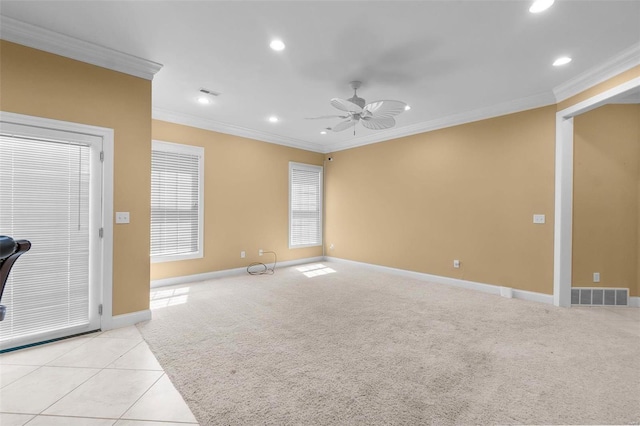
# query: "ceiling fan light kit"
376,115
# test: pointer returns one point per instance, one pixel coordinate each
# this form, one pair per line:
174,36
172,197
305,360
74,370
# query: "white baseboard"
126,320
471,285
225,273
133,318
533,296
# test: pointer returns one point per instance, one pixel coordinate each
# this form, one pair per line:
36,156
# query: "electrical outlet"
260,252
243,254
456,263
122,217
539,218
596,277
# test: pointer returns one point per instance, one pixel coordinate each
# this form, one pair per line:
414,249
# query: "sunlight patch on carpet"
315,270
172,297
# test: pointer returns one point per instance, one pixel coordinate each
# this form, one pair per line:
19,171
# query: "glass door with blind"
50,194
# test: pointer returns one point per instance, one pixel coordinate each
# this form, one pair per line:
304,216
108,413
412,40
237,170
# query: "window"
176,201
305,205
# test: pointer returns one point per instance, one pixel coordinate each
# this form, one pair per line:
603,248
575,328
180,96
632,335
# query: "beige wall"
605,197
467,192
246,200
37,83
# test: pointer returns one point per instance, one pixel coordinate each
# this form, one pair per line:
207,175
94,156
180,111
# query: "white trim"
107,135
470,285
617,64
484,113
599,99
225,273
563,232
49,41
634,302
107,225
230,129
126,320
562,240
510,107
533,296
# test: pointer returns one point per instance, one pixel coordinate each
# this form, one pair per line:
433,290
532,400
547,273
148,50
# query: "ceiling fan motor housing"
356,100
355,85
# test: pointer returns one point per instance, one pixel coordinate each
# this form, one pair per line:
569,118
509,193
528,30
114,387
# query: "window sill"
176,258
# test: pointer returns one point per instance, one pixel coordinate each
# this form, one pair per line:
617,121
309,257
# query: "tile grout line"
45,365
76,387
74,417
134,346
29,421
141,396
100,370
69,351
38,367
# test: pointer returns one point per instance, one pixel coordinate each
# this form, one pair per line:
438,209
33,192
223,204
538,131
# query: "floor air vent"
587,296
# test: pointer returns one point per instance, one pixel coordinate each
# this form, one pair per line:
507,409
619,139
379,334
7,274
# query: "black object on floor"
10,250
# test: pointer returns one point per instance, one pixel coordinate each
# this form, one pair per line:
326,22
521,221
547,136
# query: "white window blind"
176,201
45,198
305,205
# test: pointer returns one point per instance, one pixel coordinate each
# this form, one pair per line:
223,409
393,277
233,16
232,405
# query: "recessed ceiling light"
540,5
564,60
204,100
323,132
277,45
273,119
407,107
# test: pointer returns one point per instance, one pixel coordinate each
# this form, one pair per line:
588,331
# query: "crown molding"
230,129
49,41
523,104
617,64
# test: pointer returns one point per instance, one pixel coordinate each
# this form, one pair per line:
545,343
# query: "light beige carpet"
362,347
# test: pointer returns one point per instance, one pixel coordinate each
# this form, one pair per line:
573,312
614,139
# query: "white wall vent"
590,296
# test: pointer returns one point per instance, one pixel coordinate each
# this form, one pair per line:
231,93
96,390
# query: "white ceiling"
447,59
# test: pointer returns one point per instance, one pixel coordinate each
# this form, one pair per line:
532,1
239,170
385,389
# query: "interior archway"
564,183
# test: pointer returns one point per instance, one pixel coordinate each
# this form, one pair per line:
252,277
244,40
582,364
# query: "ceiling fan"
376,115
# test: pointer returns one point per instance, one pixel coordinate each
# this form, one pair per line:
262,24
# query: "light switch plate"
538,218
122,217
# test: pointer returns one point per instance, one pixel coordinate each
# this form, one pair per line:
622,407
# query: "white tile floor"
101,379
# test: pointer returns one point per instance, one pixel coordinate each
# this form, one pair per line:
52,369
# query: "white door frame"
105,273
563,233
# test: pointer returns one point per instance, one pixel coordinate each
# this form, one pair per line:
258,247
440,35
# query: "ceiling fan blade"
378,123
344,125
345,105
383,109
322,117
